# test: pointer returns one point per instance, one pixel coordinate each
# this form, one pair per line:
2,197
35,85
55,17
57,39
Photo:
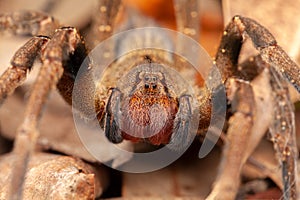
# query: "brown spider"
62,50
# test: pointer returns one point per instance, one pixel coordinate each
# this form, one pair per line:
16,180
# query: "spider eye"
154,86
147,86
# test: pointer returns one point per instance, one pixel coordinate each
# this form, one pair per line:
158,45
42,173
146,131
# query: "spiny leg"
24,23
187,18
283,134
28,23
64,42
269,50
238,134
187,21
21,63
264,42
102,28
274,56
105,20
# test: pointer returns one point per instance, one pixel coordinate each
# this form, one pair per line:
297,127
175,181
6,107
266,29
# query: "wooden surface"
188,177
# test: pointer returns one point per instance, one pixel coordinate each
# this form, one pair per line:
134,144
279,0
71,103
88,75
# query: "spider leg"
238,134
181,129
263,41
93,98
24,23
276,59
283,134
63,43
105,20
28,23
21,63
187,22
112,125
187,18
37,23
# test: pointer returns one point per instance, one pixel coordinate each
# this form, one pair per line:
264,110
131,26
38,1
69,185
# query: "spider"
62,50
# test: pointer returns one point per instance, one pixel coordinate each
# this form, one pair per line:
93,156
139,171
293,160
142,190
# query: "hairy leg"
283,134
21,64
278,61
265,43
88,98
24,23
187,18
28,23
105,20
112,125
64,42
181,130
187,22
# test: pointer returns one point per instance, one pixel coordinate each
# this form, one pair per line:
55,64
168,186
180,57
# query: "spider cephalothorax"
147,104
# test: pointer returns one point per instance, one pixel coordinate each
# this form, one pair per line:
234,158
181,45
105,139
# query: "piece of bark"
53,176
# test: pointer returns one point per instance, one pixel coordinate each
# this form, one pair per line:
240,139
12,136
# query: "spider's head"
150,84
